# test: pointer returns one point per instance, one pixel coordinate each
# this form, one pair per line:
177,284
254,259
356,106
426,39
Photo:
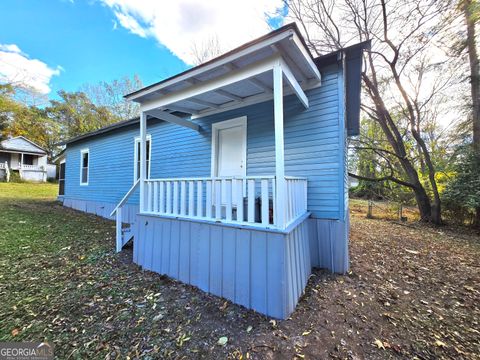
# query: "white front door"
229,150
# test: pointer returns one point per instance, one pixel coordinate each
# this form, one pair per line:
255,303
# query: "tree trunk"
474,83
474,74
423,201
395,139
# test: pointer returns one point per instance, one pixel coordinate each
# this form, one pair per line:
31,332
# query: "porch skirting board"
329,244
261,270
102,209
33,175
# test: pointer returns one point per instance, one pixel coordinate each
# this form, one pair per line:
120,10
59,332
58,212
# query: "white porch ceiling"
196,93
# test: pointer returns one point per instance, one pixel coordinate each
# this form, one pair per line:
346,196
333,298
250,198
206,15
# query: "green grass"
42,247
62,282
28,191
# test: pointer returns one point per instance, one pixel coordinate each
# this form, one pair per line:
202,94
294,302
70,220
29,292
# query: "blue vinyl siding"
314,148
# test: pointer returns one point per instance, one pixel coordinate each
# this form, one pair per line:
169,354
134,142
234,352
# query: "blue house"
233,178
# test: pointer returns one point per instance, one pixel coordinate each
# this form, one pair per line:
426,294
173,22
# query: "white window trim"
84,151
240,121
135,156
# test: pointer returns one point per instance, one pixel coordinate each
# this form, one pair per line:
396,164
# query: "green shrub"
15,177
461,197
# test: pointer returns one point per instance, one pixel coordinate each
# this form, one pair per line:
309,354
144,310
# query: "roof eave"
290,30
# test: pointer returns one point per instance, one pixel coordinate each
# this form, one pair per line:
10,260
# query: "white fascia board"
298,43
221,62
162,115
210,85
297,89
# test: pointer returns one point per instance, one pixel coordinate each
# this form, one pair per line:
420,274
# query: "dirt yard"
413,292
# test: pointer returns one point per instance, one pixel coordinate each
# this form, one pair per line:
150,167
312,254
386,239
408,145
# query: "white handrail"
206,178
295,178
32,167
125,198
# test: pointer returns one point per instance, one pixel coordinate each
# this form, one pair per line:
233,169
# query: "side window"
61,179
137,157
84,166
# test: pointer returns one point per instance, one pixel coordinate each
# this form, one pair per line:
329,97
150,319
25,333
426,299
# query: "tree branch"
384,178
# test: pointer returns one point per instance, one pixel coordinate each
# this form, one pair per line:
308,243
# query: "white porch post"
143,158
279,144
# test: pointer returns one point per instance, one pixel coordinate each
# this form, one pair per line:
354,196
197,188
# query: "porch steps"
127,234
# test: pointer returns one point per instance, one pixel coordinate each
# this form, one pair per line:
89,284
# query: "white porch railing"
31,167
296,198
245,201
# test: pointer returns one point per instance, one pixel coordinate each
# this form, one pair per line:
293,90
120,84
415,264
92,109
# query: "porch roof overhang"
238,78
22,152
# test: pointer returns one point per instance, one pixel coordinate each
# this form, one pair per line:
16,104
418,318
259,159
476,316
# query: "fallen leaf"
15,332
305,333
412,252
379,344
158,317
222,341
249,329
440,343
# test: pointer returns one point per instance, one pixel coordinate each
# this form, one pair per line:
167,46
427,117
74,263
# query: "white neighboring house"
21,155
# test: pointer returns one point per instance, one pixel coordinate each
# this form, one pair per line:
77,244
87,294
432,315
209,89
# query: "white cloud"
10,48
129,22
180,24
17,67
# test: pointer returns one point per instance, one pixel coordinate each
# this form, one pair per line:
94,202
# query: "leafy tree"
471,10
8,107
34,124
76,114
462,194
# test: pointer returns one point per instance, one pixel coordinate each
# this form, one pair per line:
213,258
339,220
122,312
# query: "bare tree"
402,32
110,95
206,50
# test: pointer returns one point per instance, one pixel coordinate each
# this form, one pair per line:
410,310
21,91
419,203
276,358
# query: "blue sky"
59,44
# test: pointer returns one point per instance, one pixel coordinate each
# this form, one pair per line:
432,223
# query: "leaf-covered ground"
413,292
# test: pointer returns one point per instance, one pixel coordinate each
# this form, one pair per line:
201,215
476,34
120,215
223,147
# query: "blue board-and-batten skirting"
101,208
262,270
